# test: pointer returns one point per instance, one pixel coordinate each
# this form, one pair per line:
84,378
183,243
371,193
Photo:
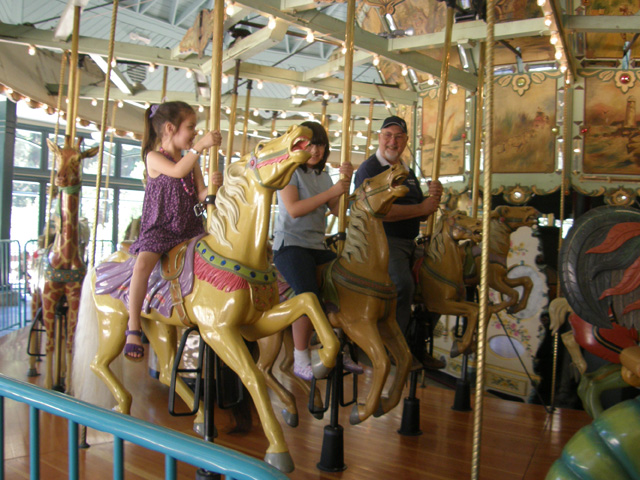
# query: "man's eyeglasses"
398,136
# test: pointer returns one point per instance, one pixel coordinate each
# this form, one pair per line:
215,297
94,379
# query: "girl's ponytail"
149,137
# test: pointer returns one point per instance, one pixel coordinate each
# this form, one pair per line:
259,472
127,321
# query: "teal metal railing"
174,445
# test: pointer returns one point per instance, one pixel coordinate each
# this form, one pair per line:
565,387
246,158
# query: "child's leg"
137,291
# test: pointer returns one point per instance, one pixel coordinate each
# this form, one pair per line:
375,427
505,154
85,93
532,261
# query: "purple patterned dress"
167,214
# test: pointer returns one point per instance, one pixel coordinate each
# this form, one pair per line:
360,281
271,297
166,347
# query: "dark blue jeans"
298,267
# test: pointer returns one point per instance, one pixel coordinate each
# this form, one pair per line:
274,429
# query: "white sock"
301,357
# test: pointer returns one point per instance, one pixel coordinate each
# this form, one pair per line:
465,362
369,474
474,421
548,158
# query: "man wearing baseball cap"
402,223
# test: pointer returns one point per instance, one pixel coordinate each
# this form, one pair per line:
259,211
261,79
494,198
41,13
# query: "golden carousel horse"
230,292
61,267
504,221
361,299
441,278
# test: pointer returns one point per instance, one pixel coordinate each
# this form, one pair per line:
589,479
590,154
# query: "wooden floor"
519,441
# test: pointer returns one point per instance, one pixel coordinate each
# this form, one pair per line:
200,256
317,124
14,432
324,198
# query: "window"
131,164
25,206
130,209
28,148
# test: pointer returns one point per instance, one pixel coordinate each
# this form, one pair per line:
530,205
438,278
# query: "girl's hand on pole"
346,169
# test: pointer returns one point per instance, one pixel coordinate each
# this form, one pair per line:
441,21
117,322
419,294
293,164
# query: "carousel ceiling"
289,53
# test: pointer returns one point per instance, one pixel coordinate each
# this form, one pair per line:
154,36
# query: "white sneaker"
303,371
349,365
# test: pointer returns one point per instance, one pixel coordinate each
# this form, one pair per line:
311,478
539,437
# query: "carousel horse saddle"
171,279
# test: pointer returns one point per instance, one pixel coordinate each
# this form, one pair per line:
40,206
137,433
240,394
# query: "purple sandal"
132,351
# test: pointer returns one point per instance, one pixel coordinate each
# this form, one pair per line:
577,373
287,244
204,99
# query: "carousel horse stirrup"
132,351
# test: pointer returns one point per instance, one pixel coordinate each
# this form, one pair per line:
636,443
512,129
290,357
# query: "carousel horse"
504,221
606,343
599,277
61,267
441,275
360,299
223,283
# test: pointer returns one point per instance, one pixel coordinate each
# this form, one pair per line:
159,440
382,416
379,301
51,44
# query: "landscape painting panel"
523,140
612,139
452,152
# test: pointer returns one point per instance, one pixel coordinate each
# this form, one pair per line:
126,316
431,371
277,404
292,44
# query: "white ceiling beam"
602,23
334,66
471,31
297,5
195,7
335,29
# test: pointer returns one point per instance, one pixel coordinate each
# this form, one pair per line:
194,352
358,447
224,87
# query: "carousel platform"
519,441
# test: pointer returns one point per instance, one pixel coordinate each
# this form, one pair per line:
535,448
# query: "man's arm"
421,210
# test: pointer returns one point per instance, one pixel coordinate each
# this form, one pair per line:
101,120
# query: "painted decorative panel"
611,130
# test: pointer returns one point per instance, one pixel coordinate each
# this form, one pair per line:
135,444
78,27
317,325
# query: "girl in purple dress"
174,186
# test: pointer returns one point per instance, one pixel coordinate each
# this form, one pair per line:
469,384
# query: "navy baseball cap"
394,120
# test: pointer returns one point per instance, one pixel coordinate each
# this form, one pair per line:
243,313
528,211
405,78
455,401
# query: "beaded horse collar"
251,275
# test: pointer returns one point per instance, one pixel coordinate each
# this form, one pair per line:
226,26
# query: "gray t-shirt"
309,230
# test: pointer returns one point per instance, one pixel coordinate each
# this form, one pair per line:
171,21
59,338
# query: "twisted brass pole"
483,314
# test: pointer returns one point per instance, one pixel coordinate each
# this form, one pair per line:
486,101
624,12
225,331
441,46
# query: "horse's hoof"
282,461
318,415
354,418
199,429
291,419
32,372
319,369
380,410
454,350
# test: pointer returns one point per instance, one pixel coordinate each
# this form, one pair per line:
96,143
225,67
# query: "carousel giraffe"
62,266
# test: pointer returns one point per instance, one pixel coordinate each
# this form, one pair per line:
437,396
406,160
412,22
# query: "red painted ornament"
625,78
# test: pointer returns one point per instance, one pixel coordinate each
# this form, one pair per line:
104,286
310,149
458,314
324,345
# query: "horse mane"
230,196
356,246
437,246
500,238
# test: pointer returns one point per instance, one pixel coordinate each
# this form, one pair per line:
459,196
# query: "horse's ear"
498,212
90,153
53,146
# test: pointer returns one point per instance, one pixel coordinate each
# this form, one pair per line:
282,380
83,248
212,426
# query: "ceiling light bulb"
32,50
230,10
367,121
260,85
200,108
94,102
272,22
227,110
547,21
283,115
454,88
152,67
344,49
357,101
325,95
355,147
189,73
376,60
541,3
274,133
563,68
554,38
255,112
339,118
225,79
120,104
293,90
337,134
558,54
255,133
310,37
404,71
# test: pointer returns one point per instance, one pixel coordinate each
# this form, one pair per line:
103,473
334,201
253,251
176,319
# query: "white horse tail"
86,385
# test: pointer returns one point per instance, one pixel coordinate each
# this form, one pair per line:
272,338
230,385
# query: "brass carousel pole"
486,214
245,126
477,136
566,167
232,115
346,113
103,129
216,81
324,119
70,130
368,144
163,92
442,99
63,64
